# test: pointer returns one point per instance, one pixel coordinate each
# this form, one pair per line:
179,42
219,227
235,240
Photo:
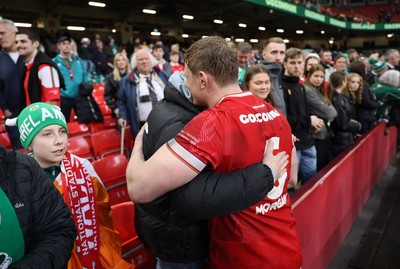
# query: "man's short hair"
214,56
32,35
349,51
172,53
323,51
158,46
273,40
244,47
292,53
390,54
10,25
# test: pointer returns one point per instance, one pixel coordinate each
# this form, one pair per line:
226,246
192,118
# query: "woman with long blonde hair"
121,68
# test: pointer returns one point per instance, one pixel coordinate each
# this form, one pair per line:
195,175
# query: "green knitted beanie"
377,65
35,117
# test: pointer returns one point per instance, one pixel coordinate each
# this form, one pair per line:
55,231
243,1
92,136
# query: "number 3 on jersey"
279,185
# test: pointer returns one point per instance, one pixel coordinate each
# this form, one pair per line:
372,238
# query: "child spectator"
98,243
174,62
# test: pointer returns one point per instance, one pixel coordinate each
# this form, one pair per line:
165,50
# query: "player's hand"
277,163
294,139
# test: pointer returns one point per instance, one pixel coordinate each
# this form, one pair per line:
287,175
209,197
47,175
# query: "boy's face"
174,58
49,145
158,53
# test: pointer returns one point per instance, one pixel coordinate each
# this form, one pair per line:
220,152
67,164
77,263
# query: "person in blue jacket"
73,72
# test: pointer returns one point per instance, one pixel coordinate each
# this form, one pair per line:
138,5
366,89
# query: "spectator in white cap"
310,60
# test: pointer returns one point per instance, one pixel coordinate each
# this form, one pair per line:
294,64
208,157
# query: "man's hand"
116,112
122,122
277,162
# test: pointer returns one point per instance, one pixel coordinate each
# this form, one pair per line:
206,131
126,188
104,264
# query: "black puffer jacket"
48,229
171,235
87,110
343,127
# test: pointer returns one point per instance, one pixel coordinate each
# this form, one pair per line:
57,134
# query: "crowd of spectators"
330,98
343,10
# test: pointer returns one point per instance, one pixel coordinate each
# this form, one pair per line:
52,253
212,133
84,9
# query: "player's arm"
163,172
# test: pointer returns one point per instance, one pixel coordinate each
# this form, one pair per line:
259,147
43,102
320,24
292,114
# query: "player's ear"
204,79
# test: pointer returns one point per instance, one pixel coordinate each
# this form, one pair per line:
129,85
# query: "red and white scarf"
79,195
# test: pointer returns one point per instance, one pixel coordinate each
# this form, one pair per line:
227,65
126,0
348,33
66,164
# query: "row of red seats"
84,143
132,248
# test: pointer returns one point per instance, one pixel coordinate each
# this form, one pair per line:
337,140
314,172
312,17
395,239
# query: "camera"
144,98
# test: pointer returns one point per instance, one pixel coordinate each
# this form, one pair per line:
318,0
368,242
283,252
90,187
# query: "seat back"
79,146
5,140
108,123
124,221
107,142
77,129
133,250
111,170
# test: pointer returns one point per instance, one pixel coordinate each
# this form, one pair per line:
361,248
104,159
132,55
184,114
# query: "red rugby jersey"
230,136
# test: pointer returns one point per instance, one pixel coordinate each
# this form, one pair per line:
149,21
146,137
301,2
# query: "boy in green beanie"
44,134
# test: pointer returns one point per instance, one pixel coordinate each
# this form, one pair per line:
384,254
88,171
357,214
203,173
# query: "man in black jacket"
179,241
298,116
36,228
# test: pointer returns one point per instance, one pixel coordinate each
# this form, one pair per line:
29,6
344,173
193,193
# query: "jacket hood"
171,94
274,69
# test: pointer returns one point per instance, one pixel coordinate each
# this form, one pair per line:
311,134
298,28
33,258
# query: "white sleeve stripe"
185,155
48,76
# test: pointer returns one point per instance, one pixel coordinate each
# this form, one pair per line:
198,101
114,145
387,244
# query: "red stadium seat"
128,138
77,129
111,170
133,250
5,140
2,127
98,93
2,118
108,123
72,116
105,110
107,142
79,146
